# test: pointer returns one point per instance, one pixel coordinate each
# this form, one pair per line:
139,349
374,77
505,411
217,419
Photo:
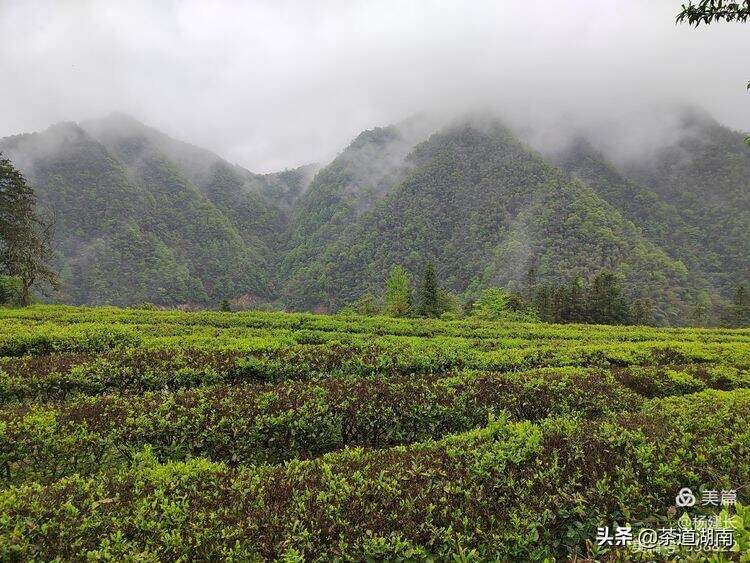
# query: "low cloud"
276,84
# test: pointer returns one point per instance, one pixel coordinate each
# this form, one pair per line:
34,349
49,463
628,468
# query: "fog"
276,84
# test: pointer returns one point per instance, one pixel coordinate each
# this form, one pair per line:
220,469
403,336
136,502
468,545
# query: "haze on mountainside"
598,154
274,85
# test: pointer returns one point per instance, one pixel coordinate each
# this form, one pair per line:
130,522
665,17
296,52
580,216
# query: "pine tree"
543,303
606,304
25,238
429,296
577,301
738,313
398,293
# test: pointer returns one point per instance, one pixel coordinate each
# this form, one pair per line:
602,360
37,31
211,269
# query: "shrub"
510,491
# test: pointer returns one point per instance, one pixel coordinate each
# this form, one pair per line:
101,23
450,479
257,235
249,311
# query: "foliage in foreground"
508,491
153,435
274,423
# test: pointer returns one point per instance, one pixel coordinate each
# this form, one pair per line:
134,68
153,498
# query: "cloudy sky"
276,84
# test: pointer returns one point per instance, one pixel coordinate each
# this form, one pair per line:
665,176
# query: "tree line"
600,300
25,256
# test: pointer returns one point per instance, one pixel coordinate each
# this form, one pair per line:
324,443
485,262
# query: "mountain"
485,208
705,175
141,216
690,196
357,179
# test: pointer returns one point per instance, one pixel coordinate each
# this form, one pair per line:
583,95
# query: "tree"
429,295
606,304
367,305
641,312
10,290
701,310
498,304
449,305
492,305
530,283
572,303
224,306
708,11
25,238
738,313
544,303
398,293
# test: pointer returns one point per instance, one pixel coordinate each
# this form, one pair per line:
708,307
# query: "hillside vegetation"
166,435
141,217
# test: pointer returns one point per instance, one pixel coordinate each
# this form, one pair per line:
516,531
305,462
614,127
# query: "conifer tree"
606,304
738,313
398,293
429,296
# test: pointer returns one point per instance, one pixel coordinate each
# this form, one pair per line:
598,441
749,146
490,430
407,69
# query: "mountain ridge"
145,217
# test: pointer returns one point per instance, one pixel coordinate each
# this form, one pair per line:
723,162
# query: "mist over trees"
182,227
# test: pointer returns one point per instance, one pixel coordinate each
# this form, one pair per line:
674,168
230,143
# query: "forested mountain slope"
660,221
359,177
691,196
484,207
705,175
143,217
129,224
256,205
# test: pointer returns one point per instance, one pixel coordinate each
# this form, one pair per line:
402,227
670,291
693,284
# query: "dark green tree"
398,293
544,303
224,306
429,293
641,312
25,238
572,303
606,303
738,313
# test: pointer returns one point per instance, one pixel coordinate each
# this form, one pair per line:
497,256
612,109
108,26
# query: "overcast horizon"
271,85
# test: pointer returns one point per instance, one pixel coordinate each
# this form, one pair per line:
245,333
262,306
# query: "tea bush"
140,434
510,491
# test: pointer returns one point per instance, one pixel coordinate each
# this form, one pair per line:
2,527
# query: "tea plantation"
130,434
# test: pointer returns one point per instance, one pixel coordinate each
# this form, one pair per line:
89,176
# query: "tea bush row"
44,329
274,423
65,375
510,491
467,328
